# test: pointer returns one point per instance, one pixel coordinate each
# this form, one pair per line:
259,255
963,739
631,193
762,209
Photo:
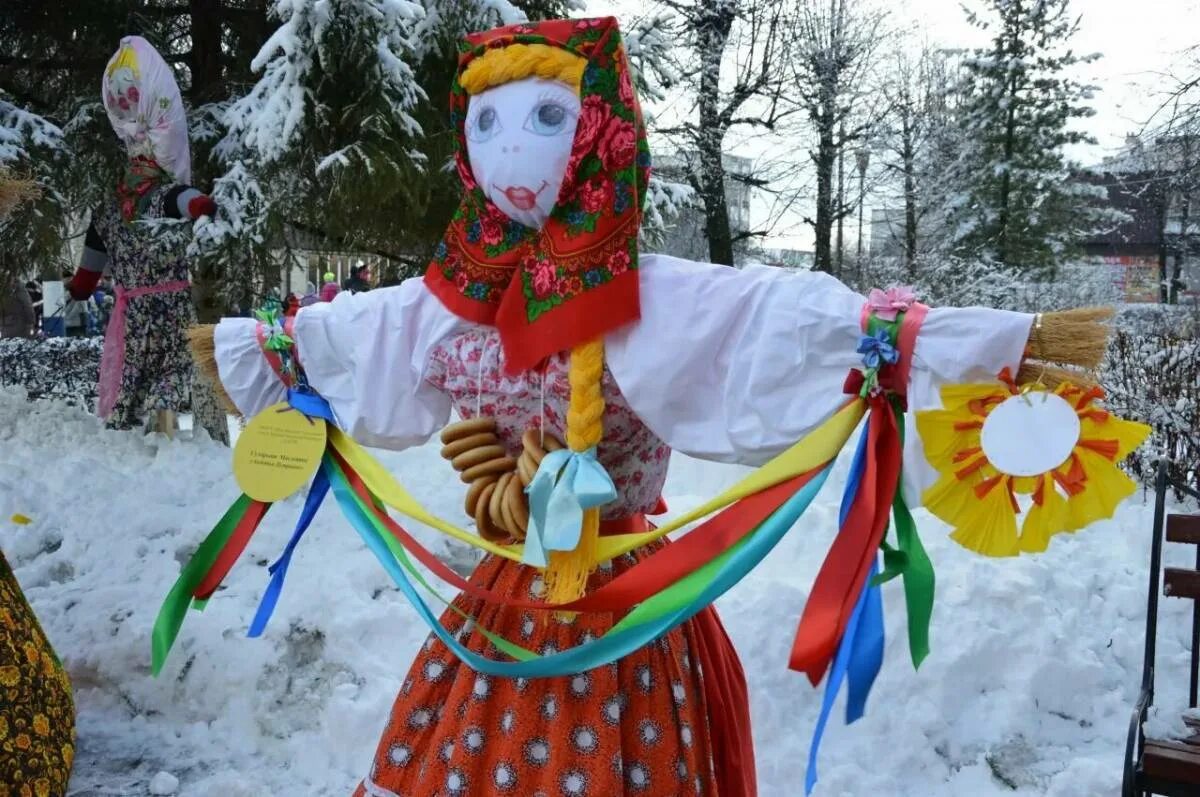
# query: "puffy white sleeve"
736,365
365,353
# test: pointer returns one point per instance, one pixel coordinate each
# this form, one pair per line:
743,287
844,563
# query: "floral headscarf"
575,279
145,108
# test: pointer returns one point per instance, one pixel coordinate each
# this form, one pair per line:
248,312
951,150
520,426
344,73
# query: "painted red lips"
523,198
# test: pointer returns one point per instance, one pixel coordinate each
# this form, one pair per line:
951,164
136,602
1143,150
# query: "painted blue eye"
485,125
548,118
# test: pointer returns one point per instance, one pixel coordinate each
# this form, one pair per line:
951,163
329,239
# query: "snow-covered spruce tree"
1012,200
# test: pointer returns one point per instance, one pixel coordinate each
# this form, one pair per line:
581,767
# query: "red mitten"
202,205
83,284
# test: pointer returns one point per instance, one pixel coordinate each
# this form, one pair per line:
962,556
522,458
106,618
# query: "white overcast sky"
1139,40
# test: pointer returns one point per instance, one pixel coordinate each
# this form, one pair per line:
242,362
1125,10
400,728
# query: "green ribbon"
174,608
910,561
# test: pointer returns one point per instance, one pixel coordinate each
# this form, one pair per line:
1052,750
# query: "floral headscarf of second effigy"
146,111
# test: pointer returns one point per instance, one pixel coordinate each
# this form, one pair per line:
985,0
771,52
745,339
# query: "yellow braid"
568,571
518,61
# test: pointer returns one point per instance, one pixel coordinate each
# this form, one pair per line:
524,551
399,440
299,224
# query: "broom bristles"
204,354
1033,373
14,191
1072,337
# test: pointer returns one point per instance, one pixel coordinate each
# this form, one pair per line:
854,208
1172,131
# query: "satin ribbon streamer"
565,485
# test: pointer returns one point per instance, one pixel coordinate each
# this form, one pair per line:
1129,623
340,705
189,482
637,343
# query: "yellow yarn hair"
126,58
568,571
518,61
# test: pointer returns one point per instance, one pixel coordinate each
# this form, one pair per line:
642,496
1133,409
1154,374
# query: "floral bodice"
469,368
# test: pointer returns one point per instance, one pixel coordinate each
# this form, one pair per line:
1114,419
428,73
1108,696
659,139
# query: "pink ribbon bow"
112,361
887,304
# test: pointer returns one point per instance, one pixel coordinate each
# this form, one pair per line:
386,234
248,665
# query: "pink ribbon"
273,358
112,361
892,302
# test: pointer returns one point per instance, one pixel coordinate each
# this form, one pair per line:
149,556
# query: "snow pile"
1029,689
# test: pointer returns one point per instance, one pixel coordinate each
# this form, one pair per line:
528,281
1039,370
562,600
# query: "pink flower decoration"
460,281
543,279
492,232
625,88
593,117
619,262
887,304
132,93
619,145
595,195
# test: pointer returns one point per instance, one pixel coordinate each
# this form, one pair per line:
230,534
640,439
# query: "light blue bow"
566,484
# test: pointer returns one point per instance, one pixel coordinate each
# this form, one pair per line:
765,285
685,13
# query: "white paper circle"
1031,434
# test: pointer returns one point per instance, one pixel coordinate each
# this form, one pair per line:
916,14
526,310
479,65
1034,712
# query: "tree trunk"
1003,237
712,37
823,228
207,85
1181,246
910,199
840,209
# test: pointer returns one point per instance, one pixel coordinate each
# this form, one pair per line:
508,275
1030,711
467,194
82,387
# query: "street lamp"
862,159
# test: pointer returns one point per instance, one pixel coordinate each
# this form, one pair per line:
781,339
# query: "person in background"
291,305
310,295
359,280
76,310
17,316
35,295
330,288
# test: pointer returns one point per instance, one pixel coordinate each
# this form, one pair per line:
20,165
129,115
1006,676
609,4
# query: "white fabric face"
519,138
145,108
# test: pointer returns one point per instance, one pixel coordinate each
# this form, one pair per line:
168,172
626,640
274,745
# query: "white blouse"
731,365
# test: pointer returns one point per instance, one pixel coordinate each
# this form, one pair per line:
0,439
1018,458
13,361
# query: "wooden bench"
1169,767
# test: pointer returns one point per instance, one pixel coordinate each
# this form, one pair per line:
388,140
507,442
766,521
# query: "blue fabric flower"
643,159
575,218
593,277
440,252
477,290
474,231
877,349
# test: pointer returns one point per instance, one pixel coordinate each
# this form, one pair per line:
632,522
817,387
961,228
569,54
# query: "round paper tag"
277,453
1031,434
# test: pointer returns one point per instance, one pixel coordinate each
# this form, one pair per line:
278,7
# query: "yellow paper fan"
978,497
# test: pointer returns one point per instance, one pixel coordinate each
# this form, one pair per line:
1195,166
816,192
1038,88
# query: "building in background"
1155,239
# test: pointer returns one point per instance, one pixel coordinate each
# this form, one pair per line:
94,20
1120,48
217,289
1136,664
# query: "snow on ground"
1028,691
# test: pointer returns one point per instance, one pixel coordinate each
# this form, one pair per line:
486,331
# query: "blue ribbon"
278,571
566,484
604,650
860,651
312,405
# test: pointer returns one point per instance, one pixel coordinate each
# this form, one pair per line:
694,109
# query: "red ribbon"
727,701
233,549
848,562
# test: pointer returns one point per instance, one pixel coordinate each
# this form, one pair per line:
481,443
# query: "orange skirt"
640,726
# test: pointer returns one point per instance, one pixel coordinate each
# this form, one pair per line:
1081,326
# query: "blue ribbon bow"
566,484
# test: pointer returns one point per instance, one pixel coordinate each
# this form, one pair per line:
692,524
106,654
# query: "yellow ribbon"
815,449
